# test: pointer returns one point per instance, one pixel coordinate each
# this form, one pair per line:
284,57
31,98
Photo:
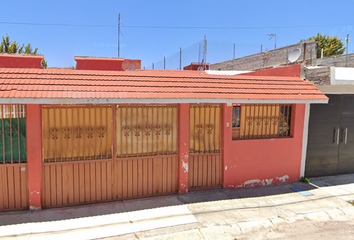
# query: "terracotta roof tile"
150,84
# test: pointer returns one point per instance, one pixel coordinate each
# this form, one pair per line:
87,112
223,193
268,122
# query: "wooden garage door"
205,161
13,158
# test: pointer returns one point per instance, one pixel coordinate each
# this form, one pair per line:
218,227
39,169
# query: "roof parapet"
15,60
197,66
107,64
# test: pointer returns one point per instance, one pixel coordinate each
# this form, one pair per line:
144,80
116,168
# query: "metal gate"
330,148
106,153
13,158
146,161
205,162
77,153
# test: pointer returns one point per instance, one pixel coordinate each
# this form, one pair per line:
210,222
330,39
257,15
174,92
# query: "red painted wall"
183,147
195,66
260,162
113,64
288,71
34,155
9,60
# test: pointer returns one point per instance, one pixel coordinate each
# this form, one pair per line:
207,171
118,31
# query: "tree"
7,46
331,46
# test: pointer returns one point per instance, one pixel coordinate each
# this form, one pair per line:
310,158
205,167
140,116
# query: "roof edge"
18,55
65,101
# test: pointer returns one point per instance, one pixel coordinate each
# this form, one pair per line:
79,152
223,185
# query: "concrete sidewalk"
197,215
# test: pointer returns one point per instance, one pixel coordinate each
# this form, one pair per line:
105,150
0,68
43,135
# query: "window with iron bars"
12,134
251,121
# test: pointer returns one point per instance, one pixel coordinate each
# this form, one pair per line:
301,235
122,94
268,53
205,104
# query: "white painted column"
305,139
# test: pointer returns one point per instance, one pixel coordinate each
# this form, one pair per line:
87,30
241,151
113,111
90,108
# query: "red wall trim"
34,155
183,147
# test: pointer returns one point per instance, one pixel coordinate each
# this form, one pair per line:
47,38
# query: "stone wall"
272,58
318,76
337,61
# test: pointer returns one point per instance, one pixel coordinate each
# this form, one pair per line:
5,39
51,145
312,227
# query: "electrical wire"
171,27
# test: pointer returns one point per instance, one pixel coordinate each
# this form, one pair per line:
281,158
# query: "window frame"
237,117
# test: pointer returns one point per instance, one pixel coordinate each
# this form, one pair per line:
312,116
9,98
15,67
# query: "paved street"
274,212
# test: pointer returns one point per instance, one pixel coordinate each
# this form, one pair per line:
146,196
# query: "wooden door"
346,146
205,161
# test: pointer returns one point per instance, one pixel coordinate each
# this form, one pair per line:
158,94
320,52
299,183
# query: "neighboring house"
98,133
331,129
272,58
330,139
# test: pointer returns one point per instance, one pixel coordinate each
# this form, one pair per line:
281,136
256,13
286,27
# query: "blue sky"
249,22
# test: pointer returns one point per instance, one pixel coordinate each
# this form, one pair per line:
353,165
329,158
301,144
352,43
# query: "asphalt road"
304,230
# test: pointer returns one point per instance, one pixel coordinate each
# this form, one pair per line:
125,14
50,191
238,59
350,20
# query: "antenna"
271,35
294,55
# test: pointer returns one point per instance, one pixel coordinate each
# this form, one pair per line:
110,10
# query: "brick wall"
318,76
271,58
337,61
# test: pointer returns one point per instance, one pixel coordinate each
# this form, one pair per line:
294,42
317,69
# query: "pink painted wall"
288,71
260,162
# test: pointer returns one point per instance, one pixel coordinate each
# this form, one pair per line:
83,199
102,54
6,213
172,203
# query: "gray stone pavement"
213,214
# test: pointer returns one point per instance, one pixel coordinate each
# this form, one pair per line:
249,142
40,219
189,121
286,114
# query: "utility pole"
180,58
233,59
287,55
204,52
346,57
164,63
200,49
260,59
119,17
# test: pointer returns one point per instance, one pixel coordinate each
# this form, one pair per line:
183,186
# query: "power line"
233,28
57,24
172,27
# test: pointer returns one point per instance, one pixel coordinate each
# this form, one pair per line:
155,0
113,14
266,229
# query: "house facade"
100,133
331,140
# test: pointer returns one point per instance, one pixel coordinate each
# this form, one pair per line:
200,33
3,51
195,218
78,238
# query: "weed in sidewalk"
304,180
